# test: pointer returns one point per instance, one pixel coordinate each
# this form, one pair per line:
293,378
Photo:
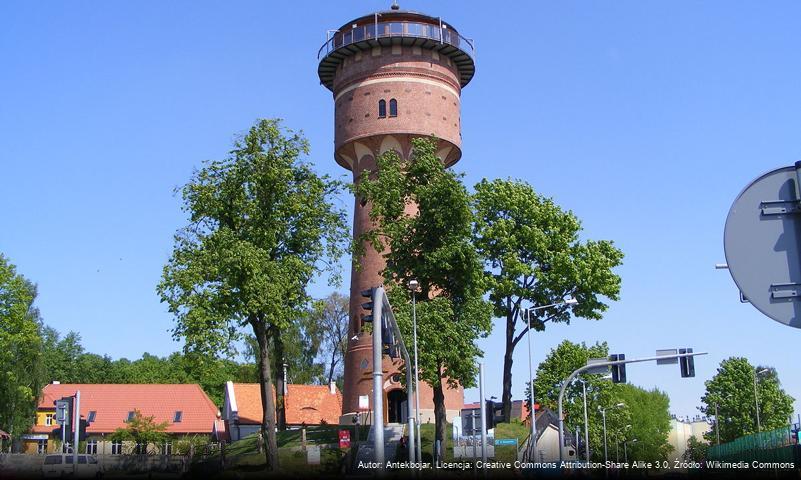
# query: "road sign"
344,439
602,370
666,352
762,242
505,441
364,402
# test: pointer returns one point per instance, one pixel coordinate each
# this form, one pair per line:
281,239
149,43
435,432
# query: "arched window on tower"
382,109
393,108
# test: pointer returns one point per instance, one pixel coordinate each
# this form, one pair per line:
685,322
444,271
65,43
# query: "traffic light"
368,317
65,416
618,371
388,340
686,364
489,413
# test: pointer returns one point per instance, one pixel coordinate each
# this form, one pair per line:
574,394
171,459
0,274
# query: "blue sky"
646,119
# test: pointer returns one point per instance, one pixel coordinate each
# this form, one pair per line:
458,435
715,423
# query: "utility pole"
717,423
285,381
532,443
77,427
483,416
586,423
413,284
603,414
378,383
756,396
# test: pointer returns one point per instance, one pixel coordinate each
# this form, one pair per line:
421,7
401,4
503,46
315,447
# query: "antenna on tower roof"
395,5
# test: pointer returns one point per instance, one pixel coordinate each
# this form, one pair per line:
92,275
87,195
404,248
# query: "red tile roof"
309,404
112,402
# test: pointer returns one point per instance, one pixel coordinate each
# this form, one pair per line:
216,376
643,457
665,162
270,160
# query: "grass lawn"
316,435
243,459
502,430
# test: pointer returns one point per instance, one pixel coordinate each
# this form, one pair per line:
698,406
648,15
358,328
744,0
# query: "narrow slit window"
393,108
382,109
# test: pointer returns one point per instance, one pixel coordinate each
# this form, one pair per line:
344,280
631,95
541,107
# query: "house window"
91,447
140,449
178,415
66,447
130,416
50,419
41,447
91,417
116,448
393,108
167,449
382,108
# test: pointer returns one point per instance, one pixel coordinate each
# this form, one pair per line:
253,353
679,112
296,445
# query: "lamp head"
413,284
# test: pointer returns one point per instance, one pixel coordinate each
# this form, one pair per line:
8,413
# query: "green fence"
773,446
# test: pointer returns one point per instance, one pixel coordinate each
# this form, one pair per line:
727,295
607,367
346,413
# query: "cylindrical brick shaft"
395,75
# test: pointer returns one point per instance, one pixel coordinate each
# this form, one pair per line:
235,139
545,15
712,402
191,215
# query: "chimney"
332,387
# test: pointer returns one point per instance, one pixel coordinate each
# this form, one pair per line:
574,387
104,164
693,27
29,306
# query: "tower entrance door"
397,410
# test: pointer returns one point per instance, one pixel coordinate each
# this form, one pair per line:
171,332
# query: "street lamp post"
532,444
617,442
756,396
413,284
586,421
625,449
603,414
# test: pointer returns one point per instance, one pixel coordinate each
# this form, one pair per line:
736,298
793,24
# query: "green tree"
732,388
261,227
66,361
649,412
432,244
298,349
21,369
535,258
143,431
61,355
601,393
331,316
696,451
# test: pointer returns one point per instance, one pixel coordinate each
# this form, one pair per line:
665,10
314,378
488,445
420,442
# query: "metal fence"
376,30
772,446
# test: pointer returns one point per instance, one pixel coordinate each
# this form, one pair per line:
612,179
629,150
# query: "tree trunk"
508,359
440,418
267,398
280,401
333,365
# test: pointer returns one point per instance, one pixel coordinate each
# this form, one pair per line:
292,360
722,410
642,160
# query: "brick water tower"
395,75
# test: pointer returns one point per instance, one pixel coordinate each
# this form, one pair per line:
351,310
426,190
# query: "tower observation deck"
394,75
